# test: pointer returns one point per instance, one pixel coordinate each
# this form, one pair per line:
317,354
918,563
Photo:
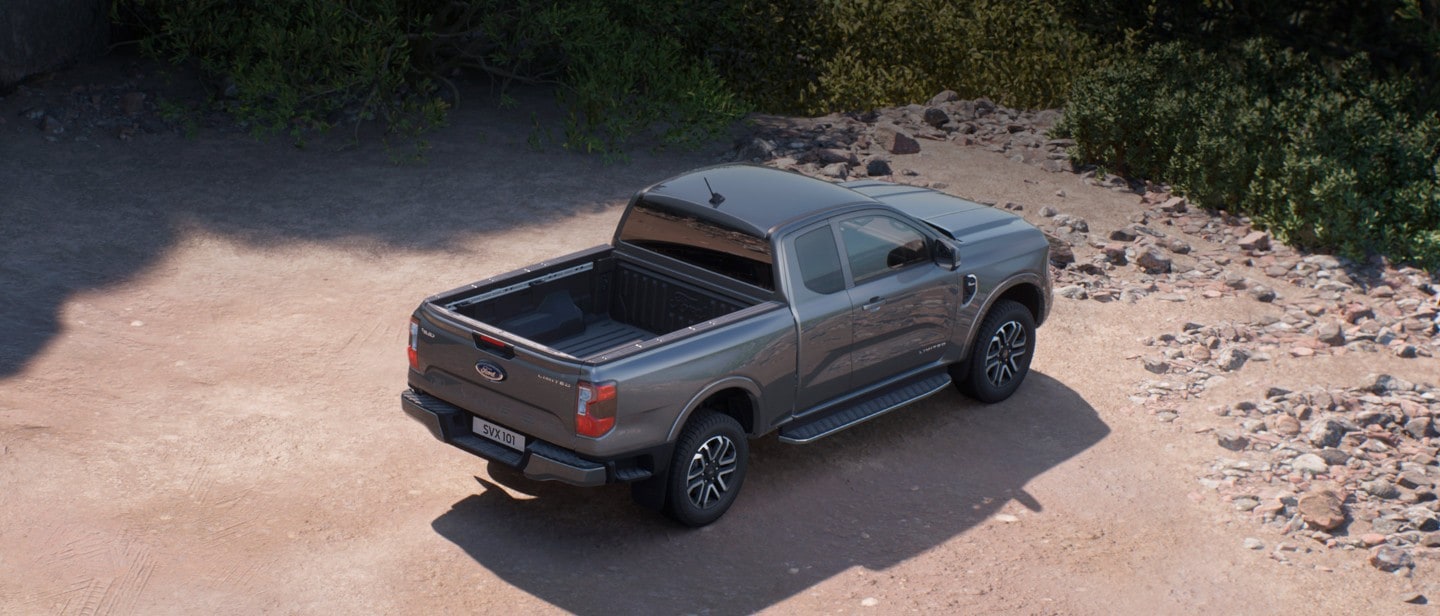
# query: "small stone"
1406,351
1232,440
1389,558
1414,480
1232,358
1413,598
1326,433
1420,427
1380,488
1122,235
1157,365
877,167
896,140
1252,543
1073,291
1178,246
837,170
1329,332
936,117
1310,463
1174,205
945,96
1322,509
1256,240
869,602
831,156
1284,425
1382,291
1049,211
1384,383
1262,293
1372,539
50,125
1198,352
1115,253
1153,261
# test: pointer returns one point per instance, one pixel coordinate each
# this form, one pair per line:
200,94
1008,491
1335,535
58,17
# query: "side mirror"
947,254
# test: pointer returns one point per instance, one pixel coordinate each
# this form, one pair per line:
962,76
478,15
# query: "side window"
819,261
877,245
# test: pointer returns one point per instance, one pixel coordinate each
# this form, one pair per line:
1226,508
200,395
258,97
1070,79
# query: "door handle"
875,303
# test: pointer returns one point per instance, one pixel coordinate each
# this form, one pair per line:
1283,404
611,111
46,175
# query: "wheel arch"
1026,289
738,397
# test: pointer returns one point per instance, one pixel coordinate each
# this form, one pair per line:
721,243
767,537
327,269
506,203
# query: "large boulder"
37,36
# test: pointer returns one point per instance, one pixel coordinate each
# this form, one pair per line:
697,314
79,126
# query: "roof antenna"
715,198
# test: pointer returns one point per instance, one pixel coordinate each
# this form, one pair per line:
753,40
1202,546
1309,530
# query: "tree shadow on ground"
873,496
89,211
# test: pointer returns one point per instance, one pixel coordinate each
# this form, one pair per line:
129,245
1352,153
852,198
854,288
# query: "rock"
1049,211
1406,351
1310,463
1384,383
1414,480
896,140
1198,352
1389,558
877,167
1256,240
1420,427
1061,254
831,156
1074,222
1153,261
1157,365
1232,358
1330,333
936,117
1178,246
1380,488
756,149
1333,456
1252,543
1073,291
1382,291
1325,432
1413,598
132,103
1232,440
1262,293
837,170
1174,205
945,96
1115,253
1122,235
1284,425
1322,508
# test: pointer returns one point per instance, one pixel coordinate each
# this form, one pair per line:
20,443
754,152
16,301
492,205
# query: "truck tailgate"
506,384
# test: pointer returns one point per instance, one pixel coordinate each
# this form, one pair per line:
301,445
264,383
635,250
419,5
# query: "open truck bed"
588,303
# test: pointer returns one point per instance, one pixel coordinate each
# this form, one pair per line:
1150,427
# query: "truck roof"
756,199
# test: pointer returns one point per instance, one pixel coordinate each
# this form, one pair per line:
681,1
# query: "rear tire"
707,469
1000,359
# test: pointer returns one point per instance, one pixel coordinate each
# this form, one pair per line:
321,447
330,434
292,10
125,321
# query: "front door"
902,303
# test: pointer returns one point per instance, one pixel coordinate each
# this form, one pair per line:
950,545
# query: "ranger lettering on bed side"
733,301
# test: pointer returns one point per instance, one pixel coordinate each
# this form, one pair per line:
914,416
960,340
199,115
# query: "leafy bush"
295,65
812,56
1326,157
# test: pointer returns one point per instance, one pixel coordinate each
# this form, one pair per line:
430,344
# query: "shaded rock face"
37,36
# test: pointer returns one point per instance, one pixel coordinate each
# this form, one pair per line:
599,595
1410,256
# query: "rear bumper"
540,461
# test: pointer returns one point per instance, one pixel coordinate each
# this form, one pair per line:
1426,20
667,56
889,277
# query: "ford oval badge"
490,371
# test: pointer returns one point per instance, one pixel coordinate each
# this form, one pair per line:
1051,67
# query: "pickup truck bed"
592,303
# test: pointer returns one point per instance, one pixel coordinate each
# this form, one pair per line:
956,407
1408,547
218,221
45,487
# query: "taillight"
594,408
414,342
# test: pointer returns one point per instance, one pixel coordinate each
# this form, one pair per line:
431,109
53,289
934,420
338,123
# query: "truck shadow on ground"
82,216
872,497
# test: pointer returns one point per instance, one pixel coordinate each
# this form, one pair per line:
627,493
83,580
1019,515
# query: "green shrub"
620,67
1326,157
812,56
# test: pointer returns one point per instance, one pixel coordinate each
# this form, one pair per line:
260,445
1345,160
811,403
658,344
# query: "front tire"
1000,359
707,470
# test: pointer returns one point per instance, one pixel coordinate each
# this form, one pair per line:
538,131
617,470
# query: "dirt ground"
202,350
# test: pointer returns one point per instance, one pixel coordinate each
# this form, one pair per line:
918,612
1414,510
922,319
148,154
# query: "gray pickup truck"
734,301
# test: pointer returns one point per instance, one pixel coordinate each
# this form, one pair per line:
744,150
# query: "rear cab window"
730,252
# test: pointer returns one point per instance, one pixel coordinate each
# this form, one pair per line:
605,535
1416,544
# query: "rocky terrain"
1350,468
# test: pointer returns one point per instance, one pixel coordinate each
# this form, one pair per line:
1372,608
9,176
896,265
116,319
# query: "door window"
877,245
819,261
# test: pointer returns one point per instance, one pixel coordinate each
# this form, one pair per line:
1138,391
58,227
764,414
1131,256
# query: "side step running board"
864,410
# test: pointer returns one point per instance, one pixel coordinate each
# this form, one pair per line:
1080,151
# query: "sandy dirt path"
201,352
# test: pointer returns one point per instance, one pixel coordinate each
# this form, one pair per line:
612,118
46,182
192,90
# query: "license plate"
508,438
